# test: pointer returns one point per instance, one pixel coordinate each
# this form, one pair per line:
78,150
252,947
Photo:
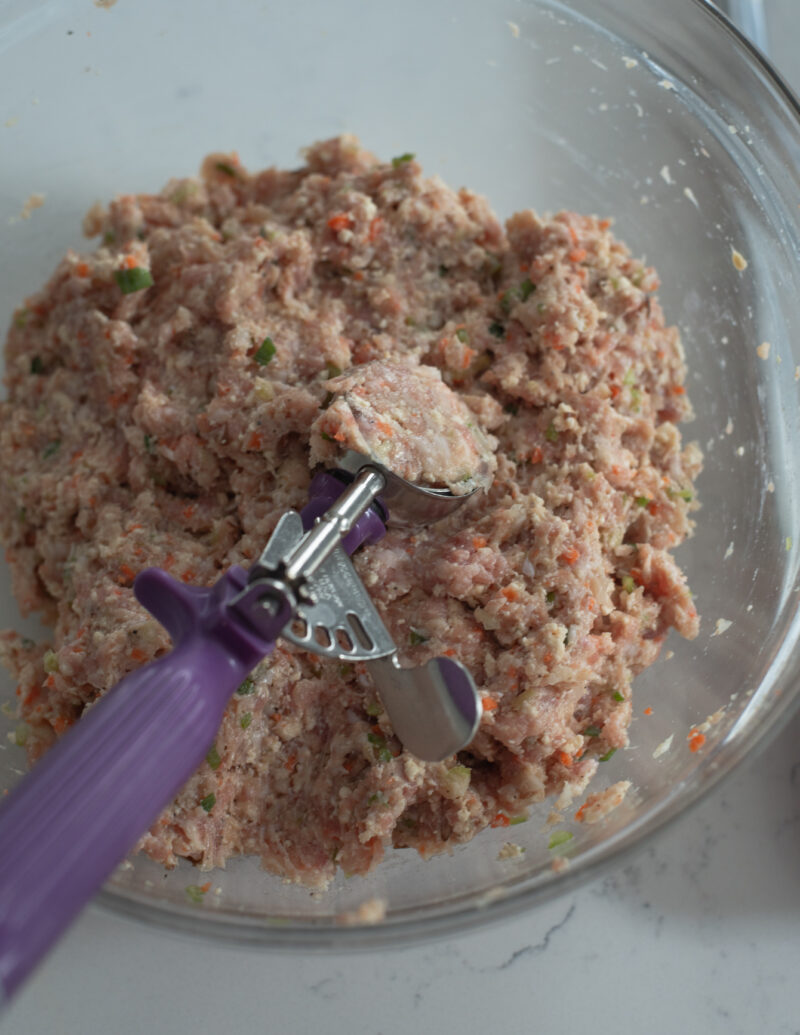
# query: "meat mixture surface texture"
169,394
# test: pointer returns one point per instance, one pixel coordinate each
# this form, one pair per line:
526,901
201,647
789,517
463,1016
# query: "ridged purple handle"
73,819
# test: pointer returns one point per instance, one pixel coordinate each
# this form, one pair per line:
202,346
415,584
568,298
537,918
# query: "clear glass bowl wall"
667,122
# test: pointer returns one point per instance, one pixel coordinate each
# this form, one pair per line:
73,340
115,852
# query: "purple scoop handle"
82,808
87,802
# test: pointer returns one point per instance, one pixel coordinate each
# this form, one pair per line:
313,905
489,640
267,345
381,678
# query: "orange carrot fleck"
130,262
678,390
569,556
604,224
205,887
82,269
375,228
696,740
648,711
137,654
577,255
127,575
580,814
290,764
489,704
340,221
615,390
537,455
564,758
60,723
255,442
510,593
501,820
652,508
449,653
478,542
573,235
189,575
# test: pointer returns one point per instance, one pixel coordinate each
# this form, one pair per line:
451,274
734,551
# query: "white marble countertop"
699,933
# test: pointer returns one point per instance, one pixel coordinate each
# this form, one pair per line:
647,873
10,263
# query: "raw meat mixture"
161,395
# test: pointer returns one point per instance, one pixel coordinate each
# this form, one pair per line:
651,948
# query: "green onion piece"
636,398
265,352
409,156
21,318
50,661
346,670
558,838
550,433
680,494
149,444
497,329
21,736
376,740
462,334
212,757
641,501
385,755
247,688
550,596
607,755
209,802
515,821
51,449
617,696
227,168
378,797
331,370
507,301
37,367
109,237
788,543
133,280
326,437
245,720
630,377
628,585
592,731
194,893
526,289
374,709
541,308
415,637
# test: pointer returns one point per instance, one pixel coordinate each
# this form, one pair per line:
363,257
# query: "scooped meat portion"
408,419
167,394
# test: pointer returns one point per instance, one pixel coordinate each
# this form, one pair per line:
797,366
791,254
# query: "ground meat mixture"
162,392
408,419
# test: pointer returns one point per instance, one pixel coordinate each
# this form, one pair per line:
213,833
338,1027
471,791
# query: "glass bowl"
670,123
